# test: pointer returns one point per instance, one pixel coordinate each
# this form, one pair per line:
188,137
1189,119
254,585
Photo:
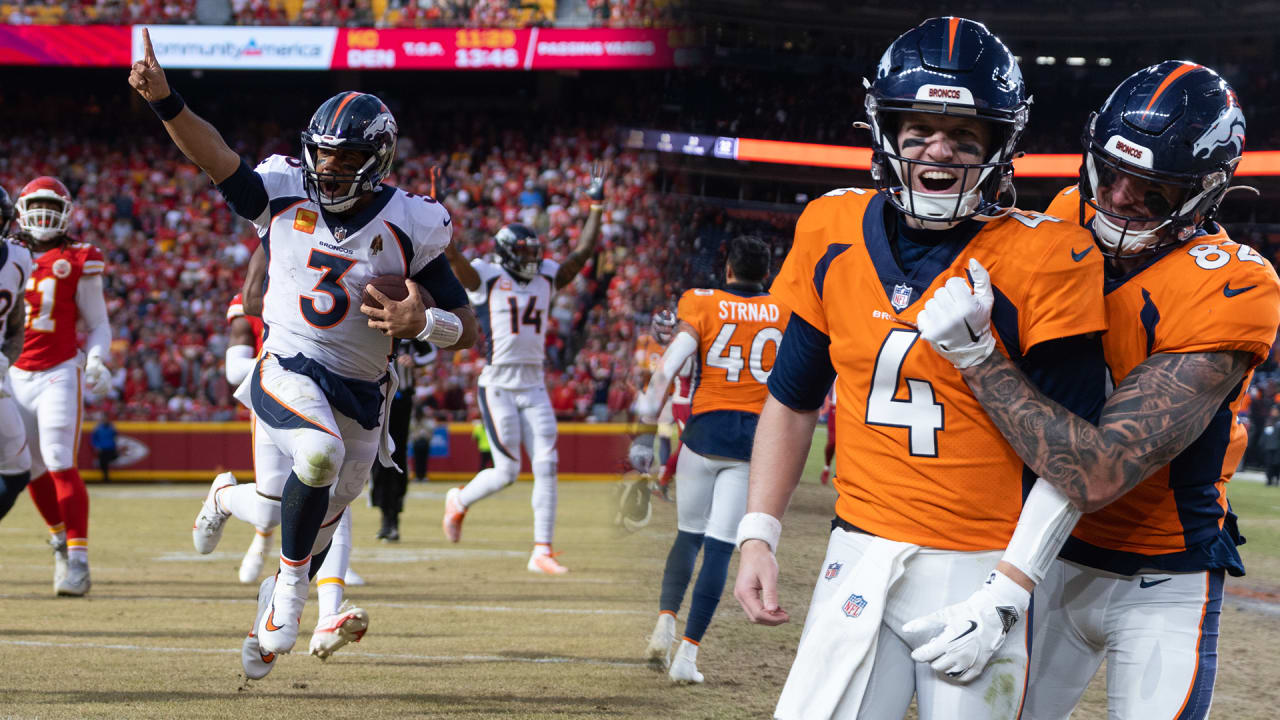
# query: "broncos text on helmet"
348,121
955,67
519,250
44,209
1168,138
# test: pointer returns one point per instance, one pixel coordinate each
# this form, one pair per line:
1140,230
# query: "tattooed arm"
1157,411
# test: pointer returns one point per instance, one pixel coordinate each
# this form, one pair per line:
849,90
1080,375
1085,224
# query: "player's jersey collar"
345,228
936,262
1111,284
746,290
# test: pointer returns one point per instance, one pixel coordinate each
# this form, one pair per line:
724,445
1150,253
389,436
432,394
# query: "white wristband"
443,328
1044,525
760,526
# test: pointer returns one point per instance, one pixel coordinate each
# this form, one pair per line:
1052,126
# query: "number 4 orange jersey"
738,335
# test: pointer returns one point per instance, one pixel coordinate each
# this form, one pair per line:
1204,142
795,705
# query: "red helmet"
44,223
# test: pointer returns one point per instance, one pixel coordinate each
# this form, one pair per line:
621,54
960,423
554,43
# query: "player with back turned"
329,226
929,492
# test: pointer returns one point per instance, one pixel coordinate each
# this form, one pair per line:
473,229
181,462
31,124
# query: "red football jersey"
51,304
235,310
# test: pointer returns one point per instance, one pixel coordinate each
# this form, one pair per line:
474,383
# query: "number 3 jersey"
52,309
318,265
513,316
1207,295
739,329
919,460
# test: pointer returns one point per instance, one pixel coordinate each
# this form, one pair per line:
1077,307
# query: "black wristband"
169,107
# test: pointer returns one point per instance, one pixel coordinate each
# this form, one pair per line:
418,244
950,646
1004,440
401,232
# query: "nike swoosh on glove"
97,378
964,636
957,321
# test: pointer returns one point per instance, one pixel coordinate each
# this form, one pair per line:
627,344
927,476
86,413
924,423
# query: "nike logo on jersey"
1145,583
1232,292
1078,256
447,220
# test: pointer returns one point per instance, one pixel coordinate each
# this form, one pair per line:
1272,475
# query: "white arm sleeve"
1045,523
93,313
681,349
239,363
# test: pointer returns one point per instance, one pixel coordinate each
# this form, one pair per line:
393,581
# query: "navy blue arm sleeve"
438,278
802,373
245,192
1071,372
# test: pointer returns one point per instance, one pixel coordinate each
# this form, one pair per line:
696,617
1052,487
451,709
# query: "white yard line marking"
408,606
351,653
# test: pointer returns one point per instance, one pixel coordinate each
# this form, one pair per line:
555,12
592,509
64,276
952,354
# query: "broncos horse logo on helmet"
348,121
955,67
519,250
1176,131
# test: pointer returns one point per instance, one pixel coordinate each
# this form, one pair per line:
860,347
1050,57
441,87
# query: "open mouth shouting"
938,180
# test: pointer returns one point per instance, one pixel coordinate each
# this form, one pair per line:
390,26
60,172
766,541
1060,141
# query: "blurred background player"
64,289
15,268
513,298
733,336
929,492
391,482
675,411
1190,315
321,387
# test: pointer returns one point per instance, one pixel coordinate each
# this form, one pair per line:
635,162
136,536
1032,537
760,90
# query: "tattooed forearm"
1157,411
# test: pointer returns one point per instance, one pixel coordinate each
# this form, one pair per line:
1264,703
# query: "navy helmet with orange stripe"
955,67
348,121
1159,156
6,212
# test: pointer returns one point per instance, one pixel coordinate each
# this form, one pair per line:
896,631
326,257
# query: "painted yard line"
404,606
351,654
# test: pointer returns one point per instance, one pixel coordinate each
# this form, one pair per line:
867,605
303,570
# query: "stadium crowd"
340,13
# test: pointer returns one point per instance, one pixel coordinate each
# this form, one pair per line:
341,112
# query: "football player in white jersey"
15,268
320,389
514,300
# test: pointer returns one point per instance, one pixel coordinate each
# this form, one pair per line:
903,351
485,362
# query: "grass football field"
461,631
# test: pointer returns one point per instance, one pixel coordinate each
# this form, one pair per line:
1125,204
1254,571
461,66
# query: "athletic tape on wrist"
760,526
167,108
443,328
1043,527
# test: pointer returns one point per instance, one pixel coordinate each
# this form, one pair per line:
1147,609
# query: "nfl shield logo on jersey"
854,605
901,296
833,570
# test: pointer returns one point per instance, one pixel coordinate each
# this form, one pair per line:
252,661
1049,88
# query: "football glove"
964,636
957,321
634,508
595,190
97,378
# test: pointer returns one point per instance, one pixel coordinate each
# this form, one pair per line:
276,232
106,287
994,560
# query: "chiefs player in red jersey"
65,289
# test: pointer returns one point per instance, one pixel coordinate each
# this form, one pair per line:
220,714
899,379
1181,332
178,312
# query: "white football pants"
711,495
15,457
50,403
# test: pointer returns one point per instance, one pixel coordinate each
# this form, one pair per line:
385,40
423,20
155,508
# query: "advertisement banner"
63,45
239,48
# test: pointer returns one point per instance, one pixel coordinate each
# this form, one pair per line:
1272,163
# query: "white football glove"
957,320
97,378
645,411
964,636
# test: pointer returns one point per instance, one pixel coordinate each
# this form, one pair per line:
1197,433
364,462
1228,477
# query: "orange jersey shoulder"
738,339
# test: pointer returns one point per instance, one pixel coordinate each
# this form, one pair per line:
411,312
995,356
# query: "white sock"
544,502
542,548
244,503
330,591
488,482
330,583
78,550
297,572
261,540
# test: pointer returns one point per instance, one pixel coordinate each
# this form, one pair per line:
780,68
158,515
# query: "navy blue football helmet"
6,212
1176,131
955,67
349,121
519,250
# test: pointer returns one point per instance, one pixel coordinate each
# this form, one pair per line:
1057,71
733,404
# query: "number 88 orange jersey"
51,304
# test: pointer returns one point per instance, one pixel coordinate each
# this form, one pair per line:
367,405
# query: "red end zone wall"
165,452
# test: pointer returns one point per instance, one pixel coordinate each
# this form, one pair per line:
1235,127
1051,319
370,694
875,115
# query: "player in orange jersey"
1190,313
732,335
65,289
929,493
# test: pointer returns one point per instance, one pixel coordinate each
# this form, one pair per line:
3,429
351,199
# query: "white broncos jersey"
15,270
514,315
316,272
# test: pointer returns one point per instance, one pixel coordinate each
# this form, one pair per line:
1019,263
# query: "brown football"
393,287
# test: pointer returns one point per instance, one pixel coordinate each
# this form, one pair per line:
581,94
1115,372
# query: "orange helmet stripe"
334,123
1178,72
951,41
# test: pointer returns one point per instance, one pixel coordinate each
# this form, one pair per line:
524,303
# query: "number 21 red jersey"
51,304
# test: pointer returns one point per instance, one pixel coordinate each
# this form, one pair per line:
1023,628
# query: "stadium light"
1046,60
1104,62
1075,61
